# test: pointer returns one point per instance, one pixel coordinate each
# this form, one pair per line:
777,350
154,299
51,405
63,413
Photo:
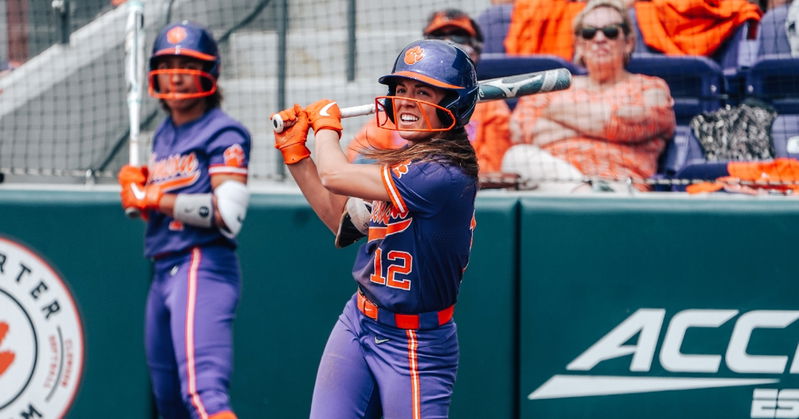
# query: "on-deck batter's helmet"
440,64
187,39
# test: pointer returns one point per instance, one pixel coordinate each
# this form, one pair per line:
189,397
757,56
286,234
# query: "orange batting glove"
324,114
291,141
135,193
132,180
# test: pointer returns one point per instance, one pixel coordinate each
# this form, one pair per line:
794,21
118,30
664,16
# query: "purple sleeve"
420,187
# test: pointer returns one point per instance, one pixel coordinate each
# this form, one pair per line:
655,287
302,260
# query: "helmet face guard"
204,84
190,40
387,107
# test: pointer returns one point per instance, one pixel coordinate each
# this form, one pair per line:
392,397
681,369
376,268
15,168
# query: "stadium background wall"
548,278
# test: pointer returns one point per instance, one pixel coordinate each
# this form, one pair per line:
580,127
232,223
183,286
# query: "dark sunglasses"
610,31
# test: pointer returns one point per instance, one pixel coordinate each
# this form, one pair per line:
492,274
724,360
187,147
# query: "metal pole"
352,51
282,17
61,7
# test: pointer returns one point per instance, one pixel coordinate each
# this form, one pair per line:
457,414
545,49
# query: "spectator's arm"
620,123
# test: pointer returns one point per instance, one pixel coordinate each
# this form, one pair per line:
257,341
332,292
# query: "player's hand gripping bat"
494,89
134,75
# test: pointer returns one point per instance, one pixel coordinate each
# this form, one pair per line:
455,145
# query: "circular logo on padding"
41,337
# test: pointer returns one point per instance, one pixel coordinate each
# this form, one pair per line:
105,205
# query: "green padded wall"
590,264
98,252
295,285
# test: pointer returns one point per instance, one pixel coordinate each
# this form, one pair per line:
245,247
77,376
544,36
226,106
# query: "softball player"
193,195
394,350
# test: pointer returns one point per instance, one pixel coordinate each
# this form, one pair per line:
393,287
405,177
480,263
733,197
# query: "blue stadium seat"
701,171
640,46
683,150
735,56
494,22
697,83
732,56
785,136
772,38
775,79
501,65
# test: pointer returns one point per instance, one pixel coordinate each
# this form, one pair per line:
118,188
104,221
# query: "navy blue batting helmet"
187,39
440,64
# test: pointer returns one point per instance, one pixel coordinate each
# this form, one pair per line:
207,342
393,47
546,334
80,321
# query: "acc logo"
414,55
41,337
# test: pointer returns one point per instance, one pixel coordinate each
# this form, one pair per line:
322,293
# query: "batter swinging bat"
492,89
134,74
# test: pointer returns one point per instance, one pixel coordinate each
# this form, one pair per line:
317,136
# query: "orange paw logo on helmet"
414,55
234,156
176,34
6,357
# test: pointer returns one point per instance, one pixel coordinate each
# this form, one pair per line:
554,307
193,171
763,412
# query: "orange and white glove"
291,141
324,114
135,194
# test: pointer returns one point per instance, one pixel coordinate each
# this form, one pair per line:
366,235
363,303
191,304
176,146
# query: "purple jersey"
418,244
183,159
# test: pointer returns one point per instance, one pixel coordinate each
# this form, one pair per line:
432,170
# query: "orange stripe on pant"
413,362
191,302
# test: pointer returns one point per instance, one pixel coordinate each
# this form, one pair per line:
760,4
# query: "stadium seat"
775,79
772,38
494,22
701,171
735,56
697,83
683,150
785,136
501,65
640,46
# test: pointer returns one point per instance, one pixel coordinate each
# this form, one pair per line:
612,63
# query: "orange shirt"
542,27
749,177
624,149
487,131
692,27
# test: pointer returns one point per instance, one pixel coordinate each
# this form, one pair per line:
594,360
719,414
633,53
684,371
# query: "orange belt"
430,320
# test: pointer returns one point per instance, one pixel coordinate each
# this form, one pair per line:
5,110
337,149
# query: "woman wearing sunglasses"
607,129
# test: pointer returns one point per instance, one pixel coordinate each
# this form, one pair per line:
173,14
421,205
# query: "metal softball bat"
493,89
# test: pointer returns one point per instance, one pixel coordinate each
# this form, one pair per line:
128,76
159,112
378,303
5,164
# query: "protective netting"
64,115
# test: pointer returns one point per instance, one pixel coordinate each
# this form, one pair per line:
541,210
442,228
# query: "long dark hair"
452,147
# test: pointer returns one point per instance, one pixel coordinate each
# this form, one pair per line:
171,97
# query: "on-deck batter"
193,195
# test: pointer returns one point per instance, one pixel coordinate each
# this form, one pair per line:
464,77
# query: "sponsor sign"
751,358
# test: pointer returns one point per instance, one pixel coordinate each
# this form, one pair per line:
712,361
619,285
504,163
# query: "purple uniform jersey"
419,243
183,159
394,352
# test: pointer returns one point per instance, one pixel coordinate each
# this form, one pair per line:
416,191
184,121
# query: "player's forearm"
327,206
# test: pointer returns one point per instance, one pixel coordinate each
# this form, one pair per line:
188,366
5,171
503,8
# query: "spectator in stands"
610,126
488,128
